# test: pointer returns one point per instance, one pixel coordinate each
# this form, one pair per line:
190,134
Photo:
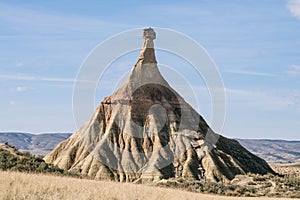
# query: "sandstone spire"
147,54
147,131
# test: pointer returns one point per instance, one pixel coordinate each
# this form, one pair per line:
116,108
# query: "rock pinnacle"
147,54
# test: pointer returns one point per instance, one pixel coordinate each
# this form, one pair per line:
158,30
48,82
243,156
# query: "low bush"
25,162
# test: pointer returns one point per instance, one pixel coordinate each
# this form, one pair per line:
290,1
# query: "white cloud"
46,22
294,70
252,73
19,64
263,99
294,99
294,7
232,91
24,77
12,103
21,89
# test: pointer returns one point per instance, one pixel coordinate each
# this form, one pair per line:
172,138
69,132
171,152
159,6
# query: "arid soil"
15,185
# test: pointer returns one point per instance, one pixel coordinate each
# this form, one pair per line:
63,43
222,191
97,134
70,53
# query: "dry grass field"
293,168
16,185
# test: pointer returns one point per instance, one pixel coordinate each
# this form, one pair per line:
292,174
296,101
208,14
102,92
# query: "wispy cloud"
21,89
252,73
12,103
232,91
51,23
294,99
264,99
24,77
294,70
177,9
19,64
294,7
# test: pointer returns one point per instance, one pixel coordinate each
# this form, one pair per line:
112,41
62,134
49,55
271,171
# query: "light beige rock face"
146,131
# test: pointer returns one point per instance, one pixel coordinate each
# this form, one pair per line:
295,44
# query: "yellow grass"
15,185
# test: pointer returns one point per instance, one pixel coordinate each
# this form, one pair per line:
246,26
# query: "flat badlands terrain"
15,185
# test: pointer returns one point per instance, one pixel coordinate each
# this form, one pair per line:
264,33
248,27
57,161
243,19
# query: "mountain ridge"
251,144
38,144
274,151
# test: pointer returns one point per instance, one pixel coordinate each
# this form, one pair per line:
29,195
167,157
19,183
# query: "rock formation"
147,131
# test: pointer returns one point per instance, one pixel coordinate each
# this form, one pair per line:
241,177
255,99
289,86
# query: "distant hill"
39,144
274,151
12,159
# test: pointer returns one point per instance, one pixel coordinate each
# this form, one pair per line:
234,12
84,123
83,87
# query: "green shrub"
259,178
25,162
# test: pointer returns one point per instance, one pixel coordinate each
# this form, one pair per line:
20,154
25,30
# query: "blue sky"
255,45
